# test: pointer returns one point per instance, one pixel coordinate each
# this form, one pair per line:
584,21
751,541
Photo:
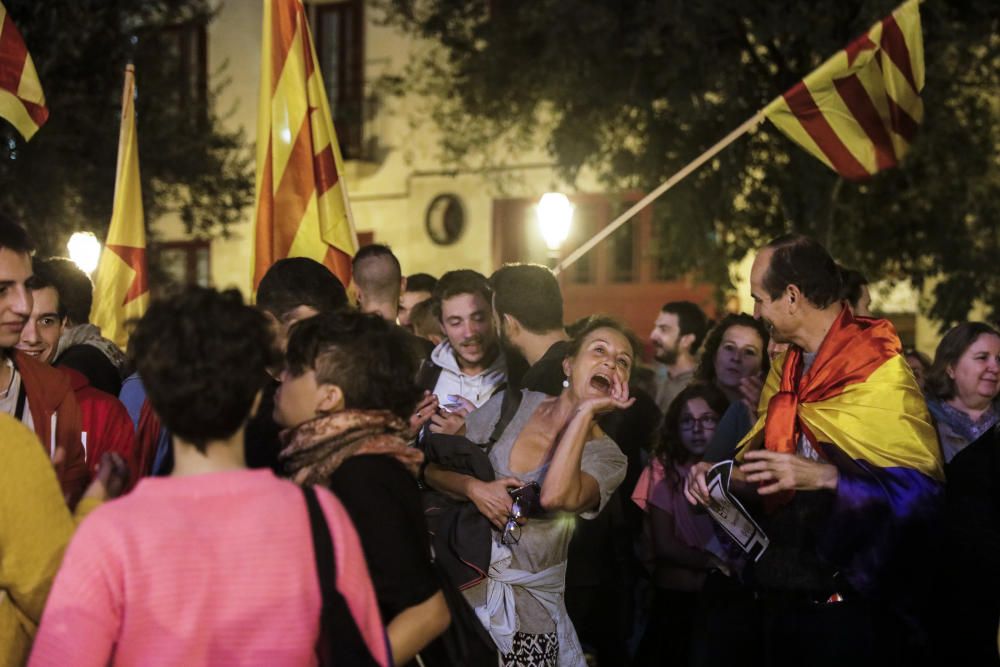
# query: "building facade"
435,217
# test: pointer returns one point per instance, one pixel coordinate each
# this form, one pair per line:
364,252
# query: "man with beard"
467,367
844,473
676,337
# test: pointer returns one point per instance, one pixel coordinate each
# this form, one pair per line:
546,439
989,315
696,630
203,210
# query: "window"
338,30
177,56
622,267
619,276
587,221
182,263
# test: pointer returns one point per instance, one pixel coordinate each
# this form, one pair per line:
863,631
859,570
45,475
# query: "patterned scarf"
89,334
314,450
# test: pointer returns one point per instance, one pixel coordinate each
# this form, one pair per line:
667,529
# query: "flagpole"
748,125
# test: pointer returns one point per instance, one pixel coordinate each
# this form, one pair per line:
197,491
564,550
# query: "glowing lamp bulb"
84,250
555,215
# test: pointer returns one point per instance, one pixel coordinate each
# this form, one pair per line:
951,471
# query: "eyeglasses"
512,531
705,422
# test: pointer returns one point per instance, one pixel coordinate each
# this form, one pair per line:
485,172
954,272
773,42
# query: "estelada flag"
22,101
859,111
121,290
301,207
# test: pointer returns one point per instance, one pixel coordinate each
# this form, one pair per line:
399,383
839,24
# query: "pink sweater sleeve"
353,580
82,616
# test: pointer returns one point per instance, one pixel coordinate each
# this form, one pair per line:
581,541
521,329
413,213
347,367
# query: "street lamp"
555,214
84,250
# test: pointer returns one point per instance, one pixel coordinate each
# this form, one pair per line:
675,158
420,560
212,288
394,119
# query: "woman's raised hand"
616,399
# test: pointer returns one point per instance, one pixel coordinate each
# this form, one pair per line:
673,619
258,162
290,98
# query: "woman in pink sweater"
215,564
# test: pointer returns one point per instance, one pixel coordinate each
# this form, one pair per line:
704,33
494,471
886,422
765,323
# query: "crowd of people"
412,470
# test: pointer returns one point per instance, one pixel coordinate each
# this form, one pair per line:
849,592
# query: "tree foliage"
634,89
63,179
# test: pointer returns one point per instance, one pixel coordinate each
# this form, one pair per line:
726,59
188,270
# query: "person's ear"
686,341
513,326
402,285
331,398
567,367
793,296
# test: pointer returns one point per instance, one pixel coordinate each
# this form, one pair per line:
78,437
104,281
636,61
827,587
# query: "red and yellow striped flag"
859,111
302,207
121,290
22,101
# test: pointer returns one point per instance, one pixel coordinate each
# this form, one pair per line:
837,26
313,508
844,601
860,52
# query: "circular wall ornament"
445,219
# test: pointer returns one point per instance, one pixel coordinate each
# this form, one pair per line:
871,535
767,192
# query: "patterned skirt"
533,651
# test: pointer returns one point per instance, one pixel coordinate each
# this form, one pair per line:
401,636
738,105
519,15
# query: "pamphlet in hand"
729,512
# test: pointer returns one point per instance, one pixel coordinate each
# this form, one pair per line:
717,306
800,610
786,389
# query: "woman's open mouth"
601,383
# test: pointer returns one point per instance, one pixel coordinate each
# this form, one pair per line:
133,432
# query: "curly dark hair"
668,448
368,358
706,367
203,357
951,348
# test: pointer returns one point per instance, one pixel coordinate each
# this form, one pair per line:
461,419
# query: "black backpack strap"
340,641
508,408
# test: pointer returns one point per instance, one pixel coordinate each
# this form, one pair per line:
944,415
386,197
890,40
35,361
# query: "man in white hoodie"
467,367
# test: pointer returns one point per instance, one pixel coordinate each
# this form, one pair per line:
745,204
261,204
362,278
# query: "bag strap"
508,408
22,397
340,641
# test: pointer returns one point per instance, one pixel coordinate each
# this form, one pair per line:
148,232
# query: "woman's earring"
566,383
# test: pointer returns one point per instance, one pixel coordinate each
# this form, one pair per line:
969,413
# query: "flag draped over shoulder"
859,111
859,395
302,208
121,290
22,101
860,408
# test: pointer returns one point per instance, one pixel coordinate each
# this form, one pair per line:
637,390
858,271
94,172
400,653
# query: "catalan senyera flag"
22,101
121,289
302,208
860,110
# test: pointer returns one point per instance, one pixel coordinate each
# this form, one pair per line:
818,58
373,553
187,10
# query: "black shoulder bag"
340,642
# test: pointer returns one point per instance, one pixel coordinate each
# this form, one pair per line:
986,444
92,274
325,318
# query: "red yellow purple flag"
302,208
121,290
859,111
22,101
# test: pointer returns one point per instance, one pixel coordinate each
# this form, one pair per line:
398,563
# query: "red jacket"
106,424
50,395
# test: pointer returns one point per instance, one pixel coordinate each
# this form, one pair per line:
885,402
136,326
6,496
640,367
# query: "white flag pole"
750,123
